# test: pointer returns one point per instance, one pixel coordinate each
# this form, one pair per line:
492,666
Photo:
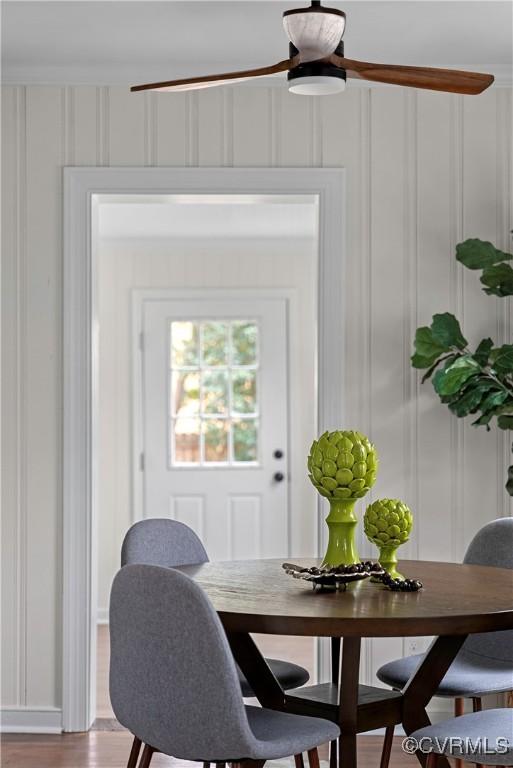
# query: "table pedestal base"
355,708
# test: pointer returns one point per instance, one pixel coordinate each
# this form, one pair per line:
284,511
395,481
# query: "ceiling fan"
317,66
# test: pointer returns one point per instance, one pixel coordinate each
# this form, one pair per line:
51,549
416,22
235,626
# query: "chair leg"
432,760
313,758
387,746
298,759
477,706
333,754
459,709
134,753
146,756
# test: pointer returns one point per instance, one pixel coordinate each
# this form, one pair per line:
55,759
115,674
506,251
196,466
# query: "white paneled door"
214,415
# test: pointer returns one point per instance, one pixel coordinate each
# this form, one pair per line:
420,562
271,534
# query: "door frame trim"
80,364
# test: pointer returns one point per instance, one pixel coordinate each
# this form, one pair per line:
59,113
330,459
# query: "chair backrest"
173,681
161,541
492,545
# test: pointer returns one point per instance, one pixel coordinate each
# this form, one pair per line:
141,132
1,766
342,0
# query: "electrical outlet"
413,646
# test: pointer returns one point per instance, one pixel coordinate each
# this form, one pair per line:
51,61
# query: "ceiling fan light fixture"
317,85
316,79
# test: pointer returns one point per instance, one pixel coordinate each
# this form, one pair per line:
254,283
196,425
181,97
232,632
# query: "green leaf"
503,360
478,254
505,422
418,361
450,379
427,349
498,280
509,484
493,400
468,402
483,350
483,420
446,331
473,393
429,372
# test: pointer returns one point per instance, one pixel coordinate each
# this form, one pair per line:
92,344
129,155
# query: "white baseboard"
102,616
27,720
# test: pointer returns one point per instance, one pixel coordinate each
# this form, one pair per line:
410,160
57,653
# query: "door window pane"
215,435
214,392
244,343
185,393
184,344
213,398
244,391
245,440
214,346
187,441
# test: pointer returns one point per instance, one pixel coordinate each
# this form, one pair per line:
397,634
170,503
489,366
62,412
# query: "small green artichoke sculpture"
388,523
343,465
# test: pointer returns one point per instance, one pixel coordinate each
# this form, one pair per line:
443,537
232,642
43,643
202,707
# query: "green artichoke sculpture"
343,464
388,523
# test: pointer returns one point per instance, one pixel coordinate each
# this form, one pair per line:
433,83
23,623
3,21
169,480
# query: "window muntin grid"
213,392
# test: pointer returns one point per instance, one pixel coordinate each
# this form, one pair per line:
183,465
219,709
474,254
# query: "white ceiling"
172,217
129,42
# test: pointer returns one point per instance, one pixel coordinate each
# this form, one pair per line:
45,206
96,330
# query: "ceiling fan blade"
449,80
207,81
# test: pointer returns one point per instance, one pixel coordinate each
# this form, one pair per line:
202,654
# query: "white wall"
224,262
424,171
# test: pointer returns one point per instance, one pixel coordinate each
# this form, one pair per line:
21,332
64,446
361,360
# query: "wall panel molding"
456,181
21,376
410,316
102,125
504,240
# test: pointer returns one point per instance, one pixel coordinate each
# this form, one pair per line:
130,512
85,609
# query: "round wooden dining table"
258,596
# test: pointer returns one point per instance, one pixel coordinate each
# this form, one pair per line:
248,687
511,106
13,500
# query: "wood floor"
110,748
98,749
297,649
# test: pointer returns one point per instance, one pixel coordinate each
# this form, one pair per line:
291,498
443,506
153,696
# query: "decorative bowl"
334,577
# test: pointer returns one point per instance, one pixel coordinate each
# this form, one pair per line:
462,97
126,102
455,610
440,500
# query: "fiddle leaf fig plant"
497,276
472,382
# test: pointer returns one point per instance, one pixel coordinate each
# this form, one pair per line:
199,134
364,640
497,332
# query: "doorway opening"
241,436
207,345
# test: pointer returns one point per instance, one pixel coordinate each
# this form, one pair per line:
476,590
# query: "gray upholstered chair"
161,541
485,663
483,736
174,684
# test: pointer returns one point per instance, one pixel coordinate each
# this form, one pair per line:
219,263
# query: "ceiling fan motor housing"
316,31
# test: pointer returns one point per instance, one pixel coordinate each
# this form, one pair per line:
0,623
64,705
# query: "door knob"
278,454
278,477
